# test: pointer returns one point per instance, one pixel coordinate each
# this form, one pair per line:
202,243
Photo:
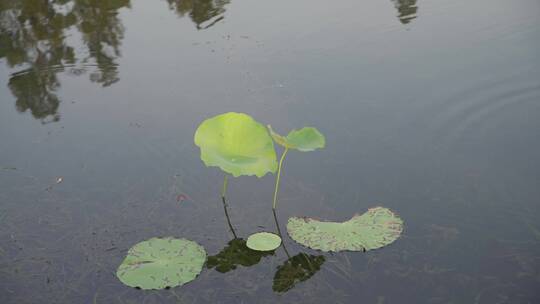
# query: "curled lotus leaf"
159,263
237,144
305,139
374,229
263,241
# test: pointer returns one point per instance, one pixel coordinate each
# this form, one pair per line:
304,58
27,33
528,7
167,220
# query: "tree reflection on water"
34,39
204,13
33,35
407,10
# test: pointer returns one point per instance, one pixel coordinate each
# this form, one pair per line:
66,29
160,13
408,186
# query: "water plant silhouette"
235,253
295,269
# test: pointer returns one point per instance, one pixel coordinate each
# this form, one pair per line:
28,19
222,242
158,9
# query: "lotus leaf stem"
278,177
281,235
224,189
227,216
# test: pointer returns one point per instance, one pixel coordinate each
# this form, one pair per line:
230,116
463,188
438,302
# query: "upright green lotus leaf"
295,270
374,229
237,144
158,263
305,139
235,253
263,241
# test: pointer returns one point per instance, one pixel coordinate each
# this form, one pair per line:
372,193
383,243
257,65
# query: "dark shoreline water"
431,109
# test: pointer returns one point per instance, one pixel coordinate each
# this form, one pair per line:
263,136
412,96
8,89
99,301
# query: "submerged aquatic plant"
374,229
304,140
159,263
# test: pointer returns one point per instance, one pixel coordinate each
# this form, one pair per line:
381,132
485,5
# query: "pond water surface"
430,108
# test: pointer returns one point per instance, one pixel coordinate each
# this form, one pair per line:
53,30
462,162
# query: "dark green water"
430,108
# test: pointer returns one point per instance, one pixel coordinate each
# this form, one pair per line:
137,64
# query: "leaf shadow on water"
295,269
236,252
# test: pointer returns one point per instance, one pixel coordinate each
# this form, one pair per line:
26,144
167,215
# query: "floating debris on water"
181,197
57,181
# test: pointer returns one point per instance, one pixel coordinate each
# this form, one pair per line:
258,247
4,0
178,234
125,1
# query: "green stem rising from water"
277,177
224,189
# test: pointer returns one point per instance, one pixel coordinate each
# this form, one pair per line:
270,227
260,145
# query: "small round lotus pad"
263,241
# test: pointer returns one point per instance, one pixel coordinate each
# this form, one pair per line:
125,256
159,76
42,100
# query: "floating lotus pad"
158,263
305,139
374,229
237,144
263,241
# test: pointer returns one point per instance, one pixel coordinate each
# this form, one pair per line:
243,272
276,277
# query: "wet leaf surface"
161,263
237,144
263,241
305,139
374,229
